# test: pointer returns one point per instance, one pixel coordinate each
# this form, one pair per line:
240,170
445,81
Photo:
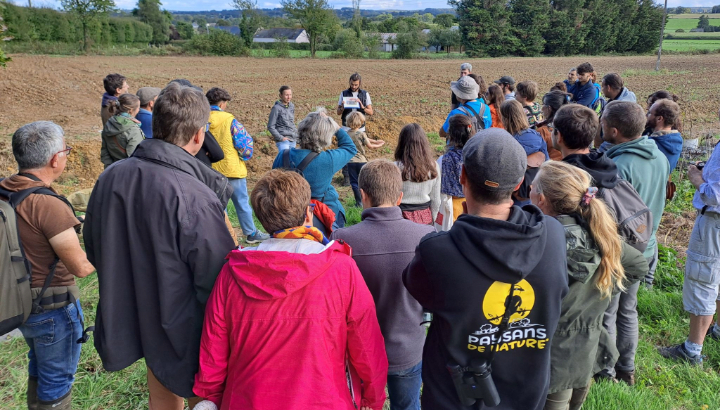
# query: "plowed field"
67,90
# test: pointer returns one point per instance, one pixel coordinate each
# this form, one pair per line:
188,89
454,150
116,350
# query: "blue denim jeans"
54,350
353,172
283,145
241,200
404,388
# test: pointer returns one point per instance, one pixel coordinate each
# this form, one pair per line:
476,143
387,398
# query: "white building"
293,35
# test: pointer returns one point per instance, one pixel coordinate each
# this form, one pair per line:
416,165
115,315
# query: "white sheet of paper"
348,102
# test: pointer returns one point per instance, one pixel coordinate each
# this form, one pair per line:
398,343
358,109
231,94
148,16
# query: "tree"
682,10
87,11
703,22
445,20
450,38
222,23
716,9
148,11
485,27
435,39
3,58
249,21
315,16
529,21
408,44
185,30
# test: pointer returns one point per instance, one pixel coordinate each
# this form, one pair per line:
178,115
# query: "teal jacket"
641,163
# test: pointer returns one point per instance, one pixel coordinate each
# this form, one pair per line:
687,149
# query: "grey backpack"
634,219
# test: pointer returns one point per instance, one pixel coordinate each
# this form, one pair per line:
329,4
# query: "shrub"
281,48
348,43
219,42
679,30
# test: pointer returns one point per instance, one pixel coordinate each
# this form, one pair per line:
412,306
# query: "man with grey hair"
465,69
317,163
466,91
640,162
46,226
476,297
155,230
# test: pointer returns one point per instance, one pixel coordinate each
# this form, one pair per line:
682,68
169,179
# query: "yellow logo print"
495,299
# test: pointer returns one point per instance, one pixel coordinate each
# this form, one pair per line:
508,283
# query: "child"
525,95
356,120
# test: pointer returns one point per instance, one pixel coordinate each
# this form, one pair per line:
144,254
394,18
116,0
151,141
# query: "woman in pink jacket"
288,321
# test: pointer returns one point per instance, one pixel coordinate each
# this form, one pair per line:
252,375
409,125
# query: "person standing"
641,163
662,119
122,133
355,120
475,292
552,102
115,85
281,123
584,90
526,93
357,95
701,283
495,98
507,84
570,80
465,69
383,228
420,174
237,146
467,89
46,226
286,319
147,96
155,230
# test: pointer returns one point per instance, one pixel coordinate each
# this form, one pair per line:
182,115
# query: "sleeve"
271,124
366,345
487,117
242,141
435,193
214,347
710,190
634,264
417,281
368,100
104,154
204,243
87,228
365,139
340,100
446,124
215,153
136,137
588,96
344,152
55,217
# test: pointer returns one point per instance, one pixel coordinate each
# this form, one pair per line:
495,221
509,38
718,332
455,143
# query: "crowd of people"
524,245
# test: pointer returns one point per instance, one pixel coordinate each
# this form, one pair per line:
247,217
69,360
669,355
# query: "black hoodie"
463,277
602,169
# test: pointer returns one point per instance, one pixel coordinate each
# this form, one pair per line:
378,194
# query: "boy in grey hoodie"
281,123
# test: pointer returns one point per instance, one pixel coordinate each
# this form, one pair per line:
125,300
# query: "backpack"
476,119
598,105
16,302
634,219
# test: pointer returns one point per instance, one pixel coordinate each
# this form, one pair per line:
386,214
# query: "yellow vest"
231,166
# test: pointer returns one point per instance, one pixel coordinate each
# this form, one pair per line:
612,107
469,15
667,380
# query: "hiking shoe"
604,376
679,352
257,237
627,377
710,334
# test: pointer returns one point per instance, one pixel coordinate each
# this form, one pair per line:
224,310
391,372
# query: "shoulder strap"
479,118
286,159
307,160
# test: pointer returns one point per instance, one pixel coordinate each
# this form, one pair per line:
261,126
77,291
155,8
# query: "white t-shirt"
355,94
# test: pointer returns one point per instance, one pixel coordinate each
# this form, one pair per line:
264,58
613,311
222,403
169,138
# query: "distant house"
293,35
697,30
387,41
234,30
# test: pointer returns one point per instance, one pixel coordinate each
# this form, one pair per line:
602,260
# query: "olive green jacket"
581,342
120,136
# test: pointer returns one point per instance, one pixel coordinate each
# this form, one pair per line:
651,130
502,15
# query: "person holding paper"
353,99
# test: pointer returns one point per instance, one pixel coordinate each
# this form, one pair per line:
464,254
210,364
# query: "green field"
690,45
686,24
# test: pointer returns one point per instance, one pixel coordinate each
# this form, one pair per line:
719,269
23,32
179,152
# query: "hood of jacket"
268,275
485,242
626,95
602,169
284,106
118,124
583,256
172,156
642,147
107,99
668,141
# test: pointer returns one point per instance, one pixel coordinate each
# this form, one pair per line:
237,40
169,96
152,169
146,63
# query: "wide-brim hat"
465,88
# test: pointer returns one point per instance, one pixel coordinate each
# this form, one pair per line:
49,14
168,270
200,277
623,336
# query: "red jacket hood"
267,275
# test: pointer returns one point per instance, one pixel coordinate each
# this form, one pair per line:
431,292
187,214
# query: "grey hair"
316,130
466,66
35,144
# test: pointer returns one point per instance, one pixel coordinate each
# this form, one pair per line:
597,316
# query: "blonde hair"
564,187
513,117
355,120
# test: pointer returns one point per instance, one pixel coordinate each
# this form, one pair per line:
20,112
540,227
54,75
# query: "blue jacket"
320,171
475,105
585,94
145,117
670,144
532,142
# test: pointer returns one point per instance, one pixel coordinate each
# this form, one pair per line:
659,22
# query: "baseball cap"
465,88
495,159
147,94
506,79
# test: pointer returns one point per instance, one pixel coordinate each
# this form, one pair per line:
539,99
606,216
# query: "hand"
695,176
285,139
380,143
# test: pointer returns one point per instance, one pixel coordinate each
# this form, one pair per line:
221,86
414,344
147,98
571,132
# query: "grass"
690,45
674,23
661,384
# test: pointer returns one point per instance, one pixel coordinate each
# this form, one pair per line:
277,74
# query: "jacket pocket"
701,268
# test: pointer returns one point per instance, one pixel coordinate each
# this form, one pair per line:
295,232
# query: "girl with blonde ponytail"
596,262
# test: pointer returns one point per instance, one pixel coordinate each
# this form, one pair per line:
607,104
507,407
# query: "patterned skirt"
421,216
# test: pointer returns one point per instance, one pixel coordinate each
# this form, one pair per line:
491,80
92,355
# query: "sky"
198,5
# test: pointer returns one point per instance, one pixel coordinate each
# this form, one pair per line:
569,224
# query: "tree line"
558,27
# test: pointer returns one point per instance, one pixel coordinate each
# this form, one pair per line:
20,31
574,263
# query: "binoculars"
474,383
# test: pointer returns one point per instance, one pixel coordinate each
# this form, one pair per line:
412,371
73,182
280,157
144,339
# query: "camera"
700,165
474,383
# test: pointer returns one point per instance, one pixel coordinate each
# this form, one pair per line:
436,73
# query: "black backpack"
476,119
633,217
287,164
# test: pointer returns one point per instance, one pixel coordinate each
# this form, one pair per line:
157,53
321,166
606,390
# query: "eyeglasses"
207,127
66,151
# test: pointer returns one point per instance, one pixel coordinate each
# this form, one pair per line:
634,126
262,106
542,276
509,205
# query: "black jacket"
155,231
210,152
602,169
463,277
